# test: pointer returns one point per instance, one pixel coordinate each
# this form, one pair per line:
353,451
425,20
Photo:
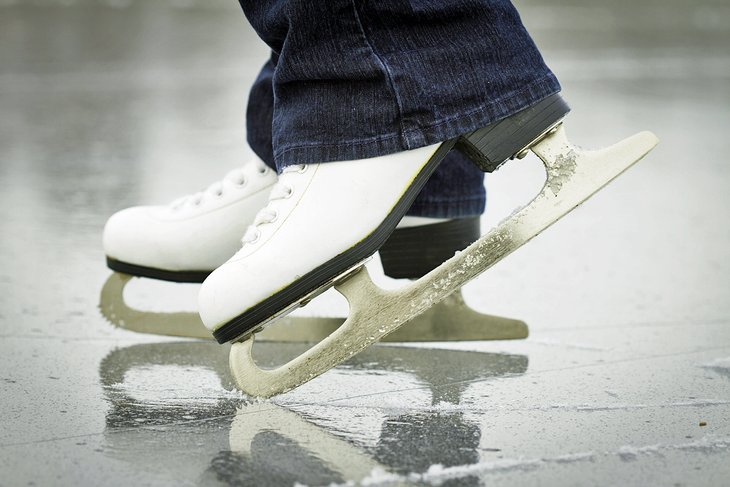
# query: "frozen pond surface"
625,378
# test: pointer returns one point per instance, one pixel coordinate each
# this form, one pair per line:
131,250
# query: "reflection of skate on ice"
184,387
321,442
268,428
450,320
233,310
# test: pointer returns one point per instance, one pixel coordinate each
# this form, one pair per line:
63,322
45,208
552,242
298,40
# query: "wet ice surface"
623,380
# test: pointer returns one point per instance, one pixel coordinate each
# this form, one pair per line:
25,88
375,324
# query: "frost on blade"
561,171
469,263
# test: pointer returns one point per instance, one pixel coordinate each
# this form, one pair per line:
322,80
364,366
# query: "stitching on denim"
384,66
316,145
481,108
504,98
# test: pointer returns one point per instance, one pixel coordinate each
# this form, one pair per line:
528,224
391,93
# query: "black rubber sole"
152,273
251,319
411,253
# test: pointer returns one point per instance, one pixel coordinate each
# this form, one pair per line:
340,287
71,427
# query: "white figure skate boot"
185,240
321,220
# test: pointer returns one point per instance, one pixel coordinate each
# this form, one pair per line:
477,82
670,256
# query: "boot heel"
491,146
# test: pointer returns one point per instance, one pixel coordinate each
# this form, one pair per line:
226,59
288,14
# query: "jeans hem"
435,132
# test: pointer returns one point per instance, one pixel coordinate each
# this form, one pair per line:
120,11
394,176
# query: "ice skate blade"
573,175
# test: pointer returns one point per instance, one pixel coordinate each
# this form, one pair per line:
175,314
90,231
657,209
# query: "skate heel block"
411,253
491,146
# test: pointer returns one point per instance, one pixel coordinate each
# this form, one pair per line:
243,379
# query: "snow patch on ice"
438,474
705,445
380,477
574,457
631,453
719,365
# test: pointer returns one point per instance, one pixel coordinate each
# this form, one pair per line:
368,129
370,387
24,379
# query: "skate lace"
281,190
236,178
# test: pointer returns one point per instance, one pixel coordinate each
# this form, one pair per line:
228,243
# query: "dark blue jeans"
352,79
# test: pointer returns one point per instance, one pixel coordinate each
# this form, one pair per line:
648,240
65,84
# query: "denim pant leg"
455,189
358,79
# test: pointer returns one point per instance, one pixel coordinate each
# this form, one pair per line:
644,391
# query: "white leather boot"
185,240
321,220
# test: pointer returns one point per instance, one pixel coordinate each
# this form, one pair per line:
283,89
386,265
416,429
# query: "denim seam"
388,74
437,124
493,102
369,140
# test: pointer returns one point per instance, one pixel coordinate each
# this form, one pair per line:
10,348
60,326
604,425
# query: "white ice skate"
573,175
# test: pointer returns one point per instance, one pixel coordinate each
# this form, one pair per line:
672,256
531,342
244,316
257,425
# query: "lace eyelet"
302,169
274,217
256,237
263,171
241,182
289,192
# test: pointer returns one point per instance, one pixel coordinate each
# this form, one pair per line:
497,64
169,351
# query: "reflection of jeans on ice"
352,80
